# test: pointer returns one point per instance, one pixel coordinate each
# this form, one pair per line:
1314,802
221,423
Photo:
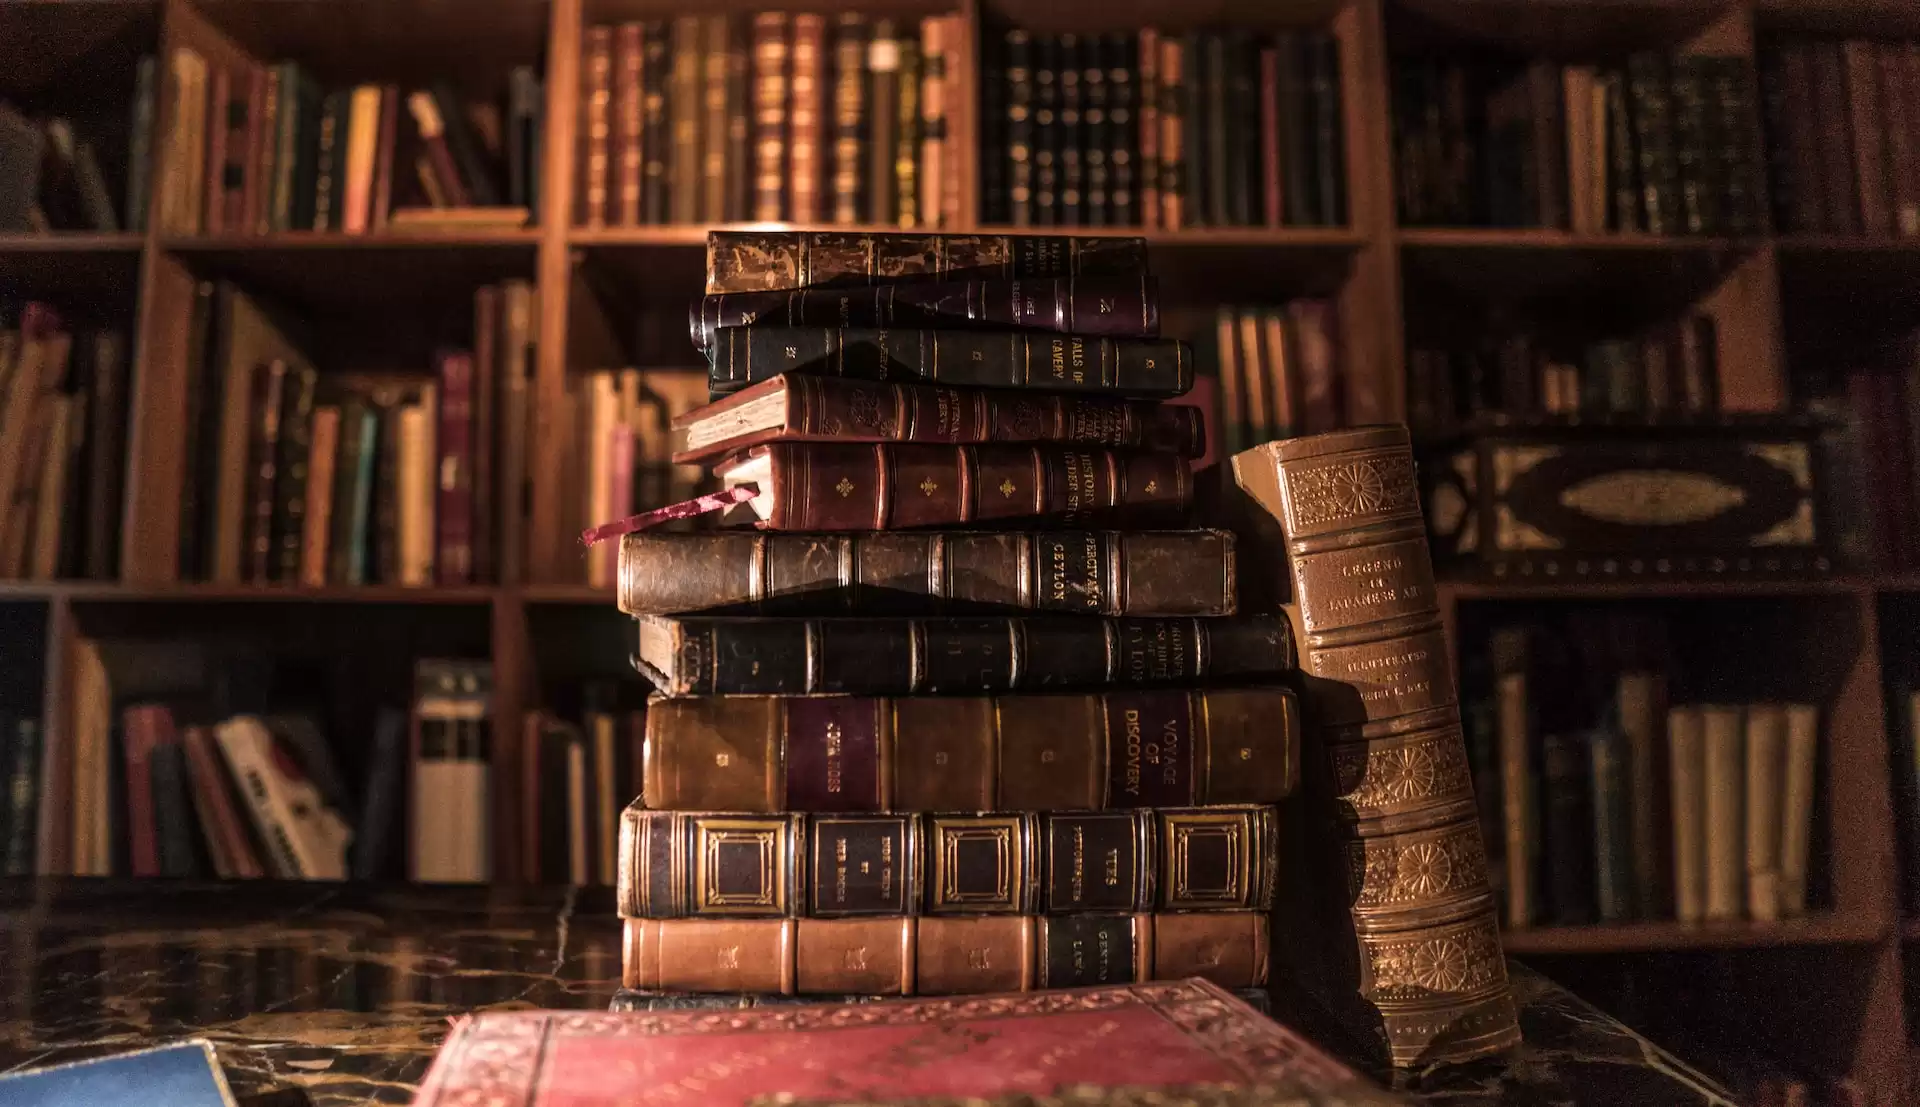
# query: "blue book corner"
184,1074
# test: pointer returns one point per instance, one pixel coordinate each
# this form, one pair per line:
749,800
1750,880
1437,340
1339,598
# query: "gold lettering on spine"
1132,721
835,767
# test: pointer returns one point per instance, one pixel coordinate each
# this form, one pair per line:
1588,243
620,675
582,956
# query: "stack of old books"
949,718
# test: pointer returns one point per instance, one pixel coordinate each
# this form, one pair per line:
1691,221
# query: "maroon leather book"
1270,176
1115,305
453,484
486,378
801,408
146,726
219,115
243,155
382,195
988,1048
831,486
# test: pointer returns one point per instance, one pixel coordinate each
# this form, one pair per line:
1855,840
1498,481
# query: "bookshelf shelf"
70,262
1663,936
1651,588
1551,238
695,236
302,241
96,592
70,242
567,594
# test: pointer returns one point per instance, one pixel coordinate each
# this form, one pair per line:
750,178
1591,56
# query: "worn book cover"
987,1049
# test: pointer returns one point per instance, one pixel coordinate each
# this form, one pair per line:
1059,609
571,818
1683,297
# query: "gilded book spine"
1388,762
687,865
924,572
768,261
850,754
942,955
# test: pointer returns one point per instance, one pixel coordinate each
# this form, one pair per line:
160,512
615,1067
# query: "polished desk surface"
346,992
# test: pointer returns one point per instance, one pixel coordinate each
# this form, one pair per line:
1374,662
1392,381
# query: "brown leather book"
1393,923
798,407
882,121
656,64
1867,119
1802,138
626,112
1903,151
1272,179
937,44
685,865
1834,125
739,157
948,655
943,956
381,198
683,107
1141,573
805,111
716,44
596,95
317,522
1003,753
263,466
516,382
770,91
245,145
221,111
438,171
1147,78
831,486
768,261
484,533
1122,306
275,99
1173,134
849,117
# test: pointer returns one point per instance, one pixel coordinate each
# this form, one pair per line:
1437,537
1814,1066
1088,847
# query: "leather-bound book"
832,487
656,134
1867,116
453,471
1157,367
770,91
805,108
628,163
1127,1046
1121,306
1096,129
1097,751
882,122
1125,130
1147,80
1392,923
683,106
849,117
1140,573
263,465
630,999
290,481
1833,125
716,44
1046,130
800,407
711,865
768,261
1019,127
1329,144
380,199
737,202
1174,99
906,136
1650,94
943,955
1069,53
722,655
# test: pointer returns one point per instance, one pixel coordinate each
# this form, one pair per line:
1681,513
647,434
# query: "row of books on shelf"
1869,407
293,476
1668,370
254,149
54,170
1602,803
163,778
1278,370
63,426
1664,146
1843,133
620,462
798,117
1205,129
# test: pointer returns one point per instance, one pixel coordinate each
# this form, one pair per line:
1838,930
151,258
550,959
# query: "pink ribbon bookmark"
685,509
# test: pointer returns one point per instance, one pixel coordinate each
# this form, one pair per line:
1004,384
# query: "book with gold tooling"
1412,956
1184,1041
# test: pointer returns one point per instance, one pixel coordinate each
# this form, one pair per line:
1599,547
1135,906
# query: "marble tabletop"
344,992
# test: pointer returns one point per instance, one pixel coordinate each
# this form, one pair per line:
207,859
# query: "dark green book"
1566,811
1623,175
22,747
329,164
140,145
1650,99
1612,844
352,492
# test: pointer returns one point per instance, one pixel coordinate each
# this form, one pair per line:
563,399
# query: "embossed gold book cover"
1160,1037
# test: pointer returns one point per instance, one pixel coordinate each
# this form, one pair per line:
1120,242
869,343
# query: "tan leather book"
596,126
970,753
416,494
1173,160
363,140
1576,84
942,956
806,113
1641,701
1765,775
1398,854
627,154
936,48
1519,815
317,524
717,42
1796,805
771,42
683,107
1687,774
704,864
1723,795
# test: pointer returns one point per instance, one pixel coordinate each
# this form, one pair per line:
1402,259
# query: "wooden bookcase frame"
1366,259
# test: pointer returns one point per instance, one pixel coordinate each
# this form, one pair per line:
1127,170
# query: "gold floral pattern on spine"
1384,776
1416,869
1363,488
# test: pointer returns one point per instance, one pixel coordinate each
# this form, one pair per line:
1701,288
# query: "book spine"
770,96
263,141
1018,50
213,803
883,123
628,53
1641,704
993,129
1121,139
515,427
140,144
740,161
1796,806
596,94
226,124
763,261
1766,751
955,656
329,142
1117,306
290,479
453,472
1055,752
1216,79
17,850
1294,118
1139,573
277,212
321,480
1046,130
1834,127
1612,849
1069,52
173,812
828,486
1866,118
1786,77
1272,210
106,459
353,487
936,74
1146,80
1367,625
656,129
826,409
1903,154
1721,812
1567,824
839,866
269,391
1622,169
849,119
683,106
1329,128
803,117
941,956
485,494
1148,367
1653,132
716,44
906,149
145,727
380,198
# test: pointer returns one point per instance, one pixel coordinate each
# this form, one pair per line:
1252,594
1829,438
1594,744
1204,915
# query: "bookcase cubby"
1827,991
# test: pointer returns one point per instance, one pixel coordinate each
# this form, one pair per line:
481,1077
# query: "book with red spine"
146,726
453,483
381,200
228,843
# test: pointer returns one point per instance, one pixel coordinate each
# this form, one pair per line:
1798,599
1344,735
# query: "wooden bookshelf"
588,279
